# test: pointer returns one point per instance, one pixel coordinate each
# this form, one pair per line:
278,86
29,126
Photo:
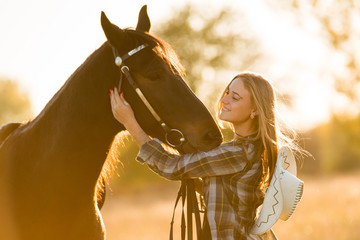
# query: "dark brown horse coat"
49,167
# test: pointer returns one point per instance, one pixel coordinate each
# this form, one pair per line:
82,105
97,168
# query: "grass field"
329,209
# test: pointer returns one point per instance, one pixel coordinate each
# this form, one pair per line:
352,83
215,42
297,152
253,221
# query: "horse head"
158,73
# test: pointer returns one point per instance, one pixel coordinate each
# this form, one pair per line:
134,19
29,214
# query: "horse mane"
110,165
7,129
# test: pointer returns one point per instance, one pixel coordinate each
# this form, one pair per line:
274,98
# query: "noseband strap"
125,70
119,61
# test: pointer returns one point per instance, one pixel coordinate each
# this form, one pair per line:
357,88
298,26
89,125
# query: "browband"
119,60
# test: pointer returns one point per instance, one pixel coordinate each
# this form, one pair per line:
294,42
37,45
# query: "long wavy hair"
271,133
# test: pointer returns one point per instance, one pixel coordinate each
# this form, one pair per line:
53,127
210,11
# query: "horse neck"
79,117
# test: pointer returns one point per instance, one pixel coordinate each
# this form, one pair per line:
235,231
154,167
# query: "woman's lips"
225,109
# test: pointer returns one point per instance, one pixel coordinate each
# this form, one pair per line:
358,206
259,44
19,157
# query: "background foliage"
14,104
335,144
209,44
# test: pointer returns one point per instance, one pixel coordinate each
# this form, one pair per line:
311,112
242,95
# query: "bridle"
119,61
187,188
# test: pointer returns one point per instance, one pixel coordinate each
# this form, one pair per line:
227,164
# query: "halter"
119,61
187,188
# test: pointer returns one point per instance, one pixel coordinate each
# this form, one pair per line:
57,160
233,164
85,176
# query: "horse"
50,166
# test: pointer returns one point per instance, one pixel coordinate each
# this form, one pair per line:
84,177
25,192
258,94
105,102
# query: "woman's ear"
254,113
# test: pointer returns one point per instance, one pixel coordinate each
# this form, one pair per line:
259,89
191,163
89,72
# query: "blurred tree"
209,41
335,146
338,23
15,106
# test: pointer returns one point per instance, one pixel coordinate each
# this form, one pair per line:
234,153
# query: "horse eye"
154,76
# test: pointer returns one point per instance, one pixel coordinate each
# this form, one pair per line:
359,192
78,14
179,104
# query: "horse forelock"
162,49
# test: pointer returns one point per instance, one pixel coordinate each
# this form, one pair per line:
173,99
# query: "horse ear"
143,21
112,32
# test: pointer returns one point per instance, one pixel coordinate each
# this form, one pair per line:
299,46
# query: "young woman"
235,173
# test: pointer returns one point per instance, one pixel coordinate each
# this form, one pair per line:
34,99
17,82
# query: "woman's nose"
224,99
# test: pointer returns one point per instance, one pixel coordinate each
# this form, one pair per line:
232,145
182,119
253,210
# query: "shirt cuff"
147,149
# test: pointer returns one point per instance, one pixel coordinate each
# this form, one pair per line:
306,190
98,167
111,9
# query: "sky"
42,42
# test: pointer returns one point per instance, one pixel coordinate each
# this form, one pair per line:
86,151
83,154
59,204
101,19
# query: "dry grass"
329,209
140,212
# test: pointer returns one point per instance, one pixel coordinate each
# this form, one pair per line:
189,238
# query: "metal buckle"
180,138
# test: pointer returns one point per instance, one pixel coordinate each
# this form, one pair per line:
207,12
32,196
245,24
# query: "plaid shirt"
230,176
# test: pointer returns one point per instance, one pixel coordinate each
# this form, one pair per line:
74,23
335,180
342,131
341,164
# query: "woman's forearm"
137,133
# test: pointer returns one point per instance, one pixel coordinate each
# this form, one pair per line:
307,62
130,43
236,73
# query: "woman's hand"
121,110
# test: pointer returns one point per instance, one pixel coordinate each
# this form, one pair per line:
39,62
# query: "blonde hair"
271,132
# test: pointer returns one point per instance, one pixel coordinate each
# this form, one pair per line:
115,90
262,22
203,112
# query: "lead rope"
195,208
187,193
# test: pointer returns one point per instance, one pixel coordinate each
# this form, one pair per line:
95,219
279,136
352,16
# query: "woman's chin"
223,117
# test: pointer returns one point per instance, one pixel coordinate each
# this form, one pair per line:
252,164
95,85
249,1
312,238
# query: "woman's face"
236,104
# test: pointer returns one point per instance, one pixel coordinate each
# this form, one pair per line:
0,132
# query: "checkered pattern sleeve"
226,159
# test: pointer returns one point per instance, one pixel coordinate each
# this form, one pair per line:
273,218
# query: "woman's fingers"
116,95
117,100
120,97
123,100
121,110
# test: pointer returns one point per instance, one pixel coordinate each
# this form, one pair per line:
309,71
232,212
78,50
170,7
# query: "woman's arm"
223,160
123,112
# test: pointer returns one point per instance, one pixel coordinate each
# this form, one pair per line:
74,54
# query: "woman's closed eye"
235,96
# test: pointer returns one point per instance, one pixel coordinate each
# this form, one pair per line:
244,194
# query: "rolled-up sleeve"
225,159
